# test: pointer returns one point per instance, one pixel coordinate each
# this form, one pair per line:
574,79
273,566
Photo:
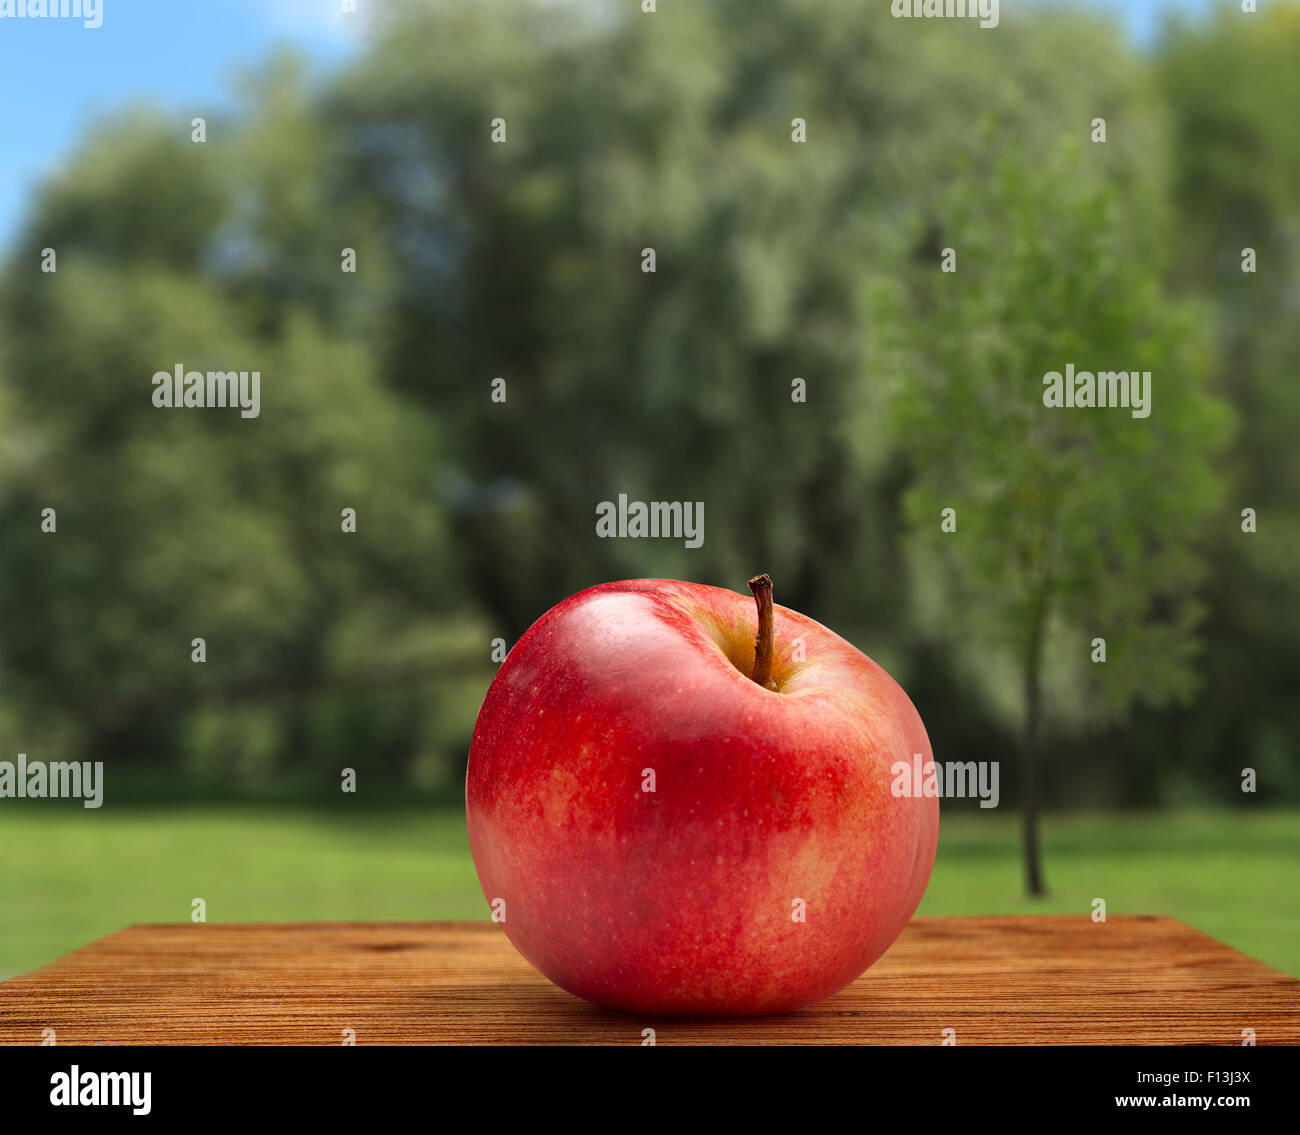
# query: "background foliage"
774,261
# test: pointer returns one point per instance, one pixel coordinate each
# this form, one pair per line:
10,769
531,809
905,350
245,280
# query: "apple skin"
681,900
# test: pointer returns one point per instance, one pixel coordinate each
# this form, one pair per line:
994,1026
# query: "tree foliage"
776,260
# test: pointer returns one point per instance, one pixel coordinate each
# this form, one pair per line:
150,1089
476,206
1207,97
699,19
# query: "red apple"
665,834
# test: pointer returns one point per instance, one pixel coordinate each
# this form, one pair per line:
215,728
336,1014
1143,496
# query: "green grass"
69,875
1234,875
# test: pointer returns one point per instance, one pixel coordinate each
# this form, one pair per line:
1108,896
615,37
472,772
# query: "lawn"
70,875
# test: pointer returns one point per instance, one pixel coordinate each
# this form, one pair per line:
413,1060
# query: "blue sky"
56,76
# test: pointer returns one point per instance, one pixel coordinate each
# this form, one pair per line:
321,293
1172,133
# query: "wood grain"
1141,979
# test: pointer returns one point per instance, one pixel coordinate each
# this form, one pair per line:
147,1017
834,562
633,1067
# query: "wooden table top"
1141,979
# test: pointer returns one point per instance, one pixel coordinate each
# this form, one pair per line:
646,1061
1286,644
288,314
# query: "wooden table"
1141,979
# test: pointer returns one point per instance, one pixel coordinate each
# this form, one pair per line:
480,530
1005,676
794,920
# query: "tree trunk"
1029,762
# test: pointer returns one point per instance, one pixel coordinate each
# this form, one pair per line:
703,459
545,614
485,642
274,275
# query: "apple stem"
761,586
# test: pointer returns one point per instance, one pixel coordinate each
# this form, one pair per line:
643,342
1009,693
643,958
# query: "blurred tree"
523,260
1071,524
1232,84
183,523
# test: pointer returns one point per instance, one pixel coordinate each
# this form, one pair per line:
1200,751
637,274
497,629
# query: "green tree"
522,260
1232,84
1071,524
174,524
